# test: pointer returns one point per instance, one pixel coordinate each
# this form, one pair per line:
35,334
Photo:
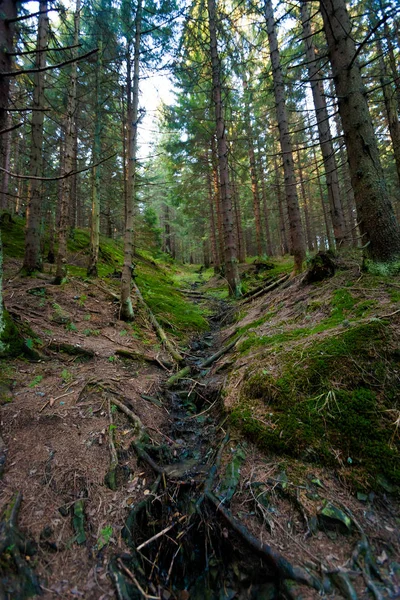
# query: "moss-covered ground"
157,280
321,380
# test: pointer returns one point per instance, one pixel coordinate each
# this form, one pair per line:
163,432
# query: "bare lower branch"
59,177
49,67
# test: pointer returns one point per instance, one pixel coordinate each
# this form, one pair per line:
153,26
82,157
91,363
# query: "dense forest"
199,299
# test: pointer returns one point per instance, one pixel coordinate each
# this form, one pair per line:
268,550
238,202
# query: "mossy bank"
323,386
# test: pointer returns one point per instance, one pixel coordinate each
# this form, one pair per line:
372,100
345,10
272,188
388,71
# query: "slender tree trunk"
379,228
327,215
253,171
282,217
95,214
394,65
61,268
391,108
231,266
33,258
267,228
241,249
8,10
307,216
6,146
217,203
126,312
213,233
325,137
295,225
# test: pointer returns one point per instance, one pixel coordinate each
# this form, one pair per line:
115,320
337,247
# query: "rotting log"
204,364
159,330
265,290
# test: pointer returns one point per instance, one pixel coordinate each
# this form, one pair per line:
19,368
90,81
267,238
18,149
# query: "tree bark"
379,228
213,233
33,257
325,137
126,311
253,171
307,215
267,228
295,225
217,202
61,268
230,259
282,217
391,107
241,249
95,215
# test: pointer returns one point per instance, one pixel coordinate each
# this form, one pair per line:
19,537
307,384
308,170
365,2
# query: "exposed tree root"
203,365
17,578
132,354
282,566
111,477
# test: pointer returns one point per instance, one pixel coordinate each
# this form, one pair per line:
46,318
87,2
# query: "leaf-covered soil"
296,480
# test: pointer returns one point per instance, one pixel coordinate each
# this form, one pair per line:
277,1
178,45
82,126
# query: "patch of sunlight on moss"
173,310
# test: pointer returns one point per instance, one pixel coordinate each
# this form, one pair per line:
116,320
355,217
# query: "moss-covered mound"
333,401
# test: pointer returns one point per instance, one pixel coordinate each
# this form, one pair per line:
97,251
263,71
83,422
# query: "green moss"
13,237
169,306
329,403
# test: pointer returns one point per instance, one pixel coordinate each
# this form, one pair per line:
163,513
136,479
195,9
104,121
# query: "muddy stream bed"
182,537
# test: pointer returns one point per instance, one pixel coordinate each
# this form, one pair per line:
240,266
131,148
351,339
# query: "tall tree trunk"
230,259
213,233
391,107
394,65
253,171
327,215
267,228
61,268
95,214
126,312
241,249
33,257
217,203
8,11
282,217
307,215
295,225
325,137
379,228
6,151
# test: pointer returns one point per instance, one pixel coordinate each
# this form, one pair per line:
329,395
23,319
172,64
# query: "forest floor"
271,472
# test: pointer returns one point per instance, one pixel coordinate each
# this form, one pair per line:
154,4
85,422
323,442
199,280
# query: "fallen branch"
264,290
280,564
134,355
159,330
206,363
